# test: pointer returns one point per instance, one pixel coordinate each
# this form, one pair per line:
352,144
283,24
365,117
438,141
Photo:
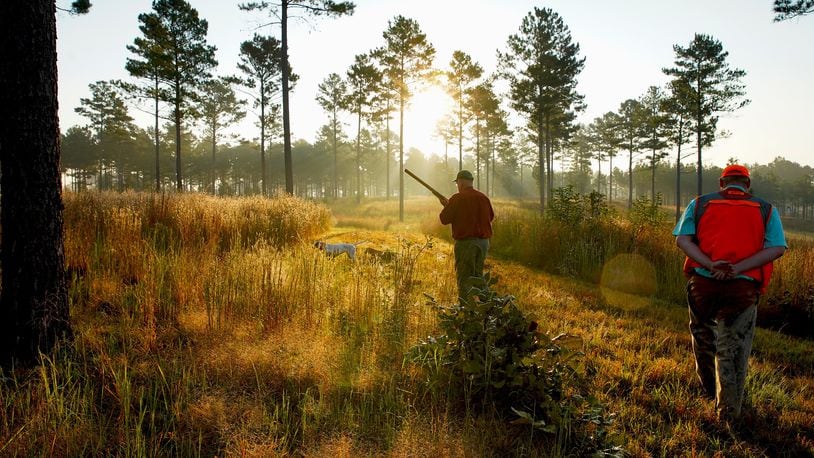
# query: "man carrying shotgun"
470,213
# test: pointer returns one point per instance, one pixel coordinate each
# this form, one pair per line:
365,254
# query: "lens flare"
628,279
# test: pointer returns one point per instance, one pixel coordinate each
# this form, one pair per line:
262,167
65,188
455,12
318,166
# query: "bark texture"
34,306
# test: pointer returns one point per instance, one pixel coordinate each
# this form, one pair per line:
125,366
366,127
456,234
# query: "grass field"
209,326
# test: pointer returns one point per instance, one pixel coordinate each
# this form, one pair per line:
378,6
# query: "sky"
626,43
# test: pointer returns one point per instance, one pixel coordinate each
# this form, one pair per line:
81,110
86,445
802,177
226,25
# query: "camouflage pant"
470,255
722,323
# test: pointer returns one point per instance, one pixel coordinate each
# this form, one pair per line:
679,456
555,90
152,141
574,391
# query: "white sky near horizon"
625,43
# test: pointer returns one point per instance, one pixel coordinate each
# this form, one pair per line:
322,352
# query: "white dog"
337,249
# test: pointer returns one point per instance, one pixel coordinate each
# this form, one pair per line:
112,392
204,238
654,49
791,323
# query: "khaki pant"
470,255
722,323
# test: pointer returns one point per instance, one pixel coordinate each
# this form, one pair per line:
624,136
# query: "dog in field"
337,249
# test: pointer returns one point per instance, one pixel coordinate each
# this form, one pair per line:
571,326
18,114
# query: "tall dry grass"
231,340
172,221
622,252
207,326
585,250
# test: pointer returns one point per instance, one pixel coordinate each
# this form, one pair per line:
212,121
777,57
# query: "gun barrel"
424,183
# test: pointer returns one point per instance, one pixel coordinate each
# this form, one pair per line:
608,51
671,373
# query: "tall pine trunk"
630,178
157,141
678,168
460,132
336,157
359,157
179,183
263,178
698,128
610,176
599,173
387,153
488,159
289,168
541,161
477,150
549,147
214,151
653,178
401,154
678,181
34,304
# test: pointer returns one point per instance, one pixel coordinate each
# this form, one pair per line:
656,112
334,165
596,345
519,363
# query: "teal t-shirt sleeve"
774,231
686,225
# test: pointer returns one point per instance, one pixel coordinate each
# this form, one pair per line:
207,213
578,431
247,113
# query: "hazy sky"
626,43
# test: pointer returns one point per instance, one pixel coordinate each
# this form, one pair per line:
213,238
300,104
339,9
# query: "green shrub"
497,358
570,207
646,212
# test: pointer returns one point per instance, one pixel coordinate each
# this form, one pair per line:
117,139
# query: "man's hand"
444,201
722,270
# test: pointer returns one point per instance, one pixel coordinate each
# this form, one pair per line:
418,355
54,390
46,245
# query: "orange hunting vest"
731,225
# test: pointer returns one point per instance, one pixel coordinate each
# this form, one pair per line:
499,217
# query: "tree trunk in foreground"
34,305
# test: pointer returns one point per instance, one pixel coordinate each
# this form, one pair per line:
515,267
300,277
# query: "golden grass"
233,340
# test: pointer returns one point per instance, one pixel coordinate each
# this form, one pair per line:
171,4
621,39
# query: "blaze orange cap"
735,170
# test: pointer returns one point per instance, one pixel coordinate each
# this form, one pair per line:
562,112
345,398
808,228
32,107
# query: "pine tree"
280,9
656,132
607,138
385,102
112,126
407,58
788,9
579,149
218,108
261,61
713,87
462,73
332,95
78,155
484,106
497,133
631,116
148,69
363,80
541,65
174,51
676,106
447,130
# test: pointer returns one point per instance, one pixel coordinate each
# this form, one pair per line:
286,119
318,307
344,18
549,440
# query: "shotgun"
424,183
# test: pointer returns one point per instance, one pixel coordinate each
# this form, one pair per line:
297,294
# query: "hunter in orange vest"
730,238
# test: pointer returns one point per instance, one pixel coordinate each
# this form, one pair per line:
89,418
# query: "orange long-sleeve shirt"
470,213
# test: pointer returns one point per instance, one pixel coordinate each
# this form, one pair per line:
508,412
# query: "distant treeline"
91,165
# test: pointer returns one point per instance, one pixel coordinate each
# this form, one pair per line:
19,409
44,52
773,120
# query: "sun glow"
421,117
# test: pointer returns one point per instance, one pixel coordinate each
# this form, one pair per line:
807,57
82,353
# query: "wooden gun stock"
424,183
